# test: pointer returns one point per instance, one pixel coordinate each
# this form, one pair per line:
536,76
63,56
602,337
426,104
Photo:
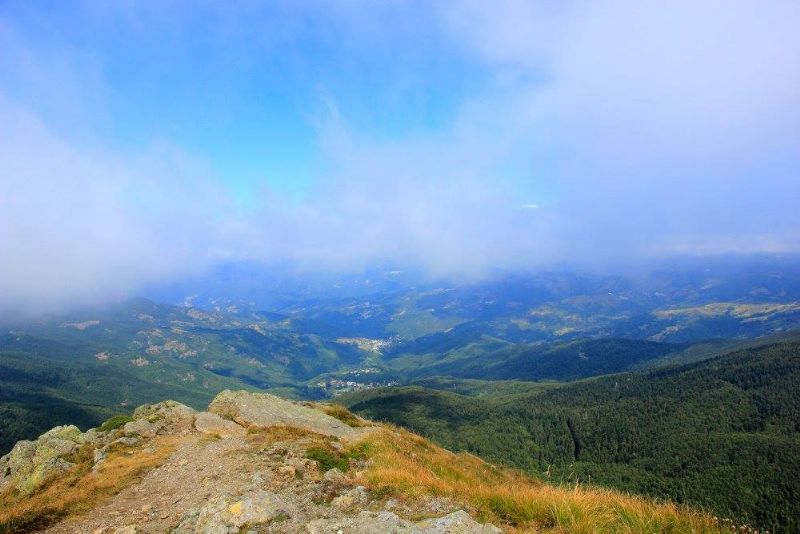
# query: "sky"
145,141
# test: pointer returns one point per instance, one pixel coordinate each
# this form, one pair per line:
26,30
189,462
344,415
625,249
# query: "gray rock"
30,464
258,479
263,409
335,476
128,442
16,462
99,458
141,427
211,423
93,436
351,498
363,523
223,514
167,417
386,522
458,522
187,522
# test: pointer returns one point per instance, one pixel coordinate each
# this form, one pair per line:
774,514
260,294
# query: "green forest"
720,434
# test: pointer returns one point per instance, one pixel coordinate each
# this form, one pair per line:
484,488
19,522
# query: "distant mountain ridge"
87,364
576,372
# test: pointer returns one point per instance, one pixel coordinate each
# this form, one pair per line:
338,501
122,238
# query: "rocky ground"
242,466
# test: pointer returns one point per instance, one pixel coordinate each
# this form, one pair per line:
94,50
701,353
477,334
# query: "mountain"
678,383
491,359
721,433
319,336
84,366
257,463
685,300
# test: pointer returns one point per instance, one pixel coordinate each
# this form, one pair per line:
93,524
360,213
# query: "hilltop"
256,463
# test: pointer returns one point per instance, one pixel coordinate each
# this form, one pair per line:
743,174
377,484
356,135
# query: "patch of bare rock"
264,410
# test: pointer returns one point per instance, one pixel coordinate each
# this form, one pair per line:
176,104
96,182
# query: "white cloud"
77,224
640,128
670,122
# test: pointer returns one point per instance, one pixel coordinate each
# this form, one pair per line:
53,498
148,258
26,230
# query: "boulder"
164,417
263,409
388,522
334,476
30,464
363,523
458,522
355,496
142,428
66,433
94,436
227,514
211,423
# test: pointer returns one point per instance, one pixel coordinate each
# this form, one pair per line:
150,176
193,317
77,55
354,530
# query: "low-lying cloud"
604,132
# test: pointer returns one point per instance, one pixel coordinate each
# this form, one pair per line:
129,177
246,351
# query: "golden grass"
341,413
406,464
81,489
266,435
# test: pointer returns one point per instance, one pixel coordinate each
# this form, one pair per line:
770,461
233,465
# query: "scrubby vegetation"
115,422
328,459
342,414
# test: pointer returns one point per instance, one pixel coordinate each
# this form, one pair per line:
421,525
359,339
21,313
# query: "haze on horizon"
141,141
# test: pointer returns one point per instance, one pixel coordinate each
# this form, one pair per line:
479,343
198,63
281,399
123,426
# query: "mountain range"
679,383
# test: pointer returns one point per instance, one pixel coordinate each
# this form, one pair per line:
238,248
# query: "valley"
572,379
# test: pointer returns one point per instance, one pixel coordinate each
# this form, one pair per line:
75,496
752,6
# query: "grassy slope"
410,466
721,433
401,464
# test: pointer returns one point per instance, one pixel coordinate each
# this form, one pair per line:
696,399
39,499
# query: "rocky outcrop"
227,514
458,522
263,409
213,424
164,417
30,464
246,478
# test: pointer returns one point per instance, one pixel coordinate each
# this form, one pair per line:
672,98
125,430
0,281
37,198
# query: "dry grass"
406,464
341,413
267,435
81,489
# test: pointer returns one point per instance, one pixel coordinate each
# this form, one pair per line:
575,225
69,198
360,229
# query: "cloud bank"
592,133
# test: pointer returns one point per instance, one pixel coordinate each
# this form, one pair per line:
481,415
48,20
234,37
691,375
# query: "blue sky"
144,140
244,87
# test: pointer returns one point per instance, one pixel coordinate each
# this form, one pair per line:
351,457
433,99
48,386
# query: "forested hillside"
721,433
84,366
491,359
